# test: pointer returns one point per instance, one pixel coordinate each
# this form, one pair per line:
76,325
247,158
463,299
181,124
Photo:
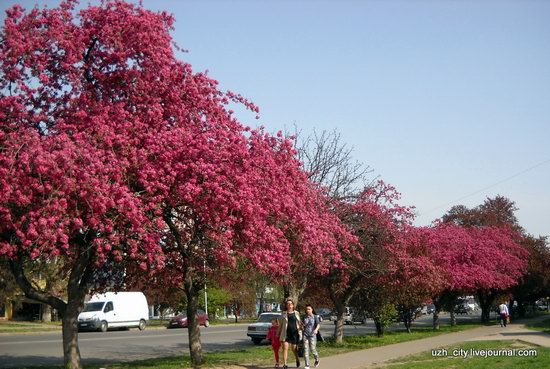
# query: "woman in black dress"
290,332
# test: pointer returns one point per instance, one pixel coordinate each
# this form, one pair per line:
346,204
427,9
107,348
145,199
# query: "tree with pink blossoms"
374,218
117,157
490,257
415,274
66,193
483,260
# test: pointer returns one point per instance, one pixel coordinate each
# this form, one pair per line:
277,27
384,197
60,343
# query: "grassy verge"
543,326
255,356
8,326
477,358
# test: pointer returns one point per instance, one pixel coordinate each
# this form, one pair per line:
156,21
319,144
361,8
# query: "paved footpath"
366,358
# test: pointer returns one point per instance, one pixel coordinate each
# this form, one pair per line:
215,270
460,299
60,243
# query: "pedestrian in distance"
275,341
290,332
504,314
311,326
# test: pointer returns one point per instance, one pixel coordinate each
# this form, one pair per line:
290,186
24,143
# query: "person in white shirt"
503,310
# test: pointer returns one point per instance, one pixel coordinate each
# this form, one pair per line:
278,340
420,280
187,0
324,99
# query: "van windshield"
93,306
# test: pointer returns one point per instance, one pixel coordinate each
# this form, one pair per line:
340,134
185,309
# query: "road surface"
17,350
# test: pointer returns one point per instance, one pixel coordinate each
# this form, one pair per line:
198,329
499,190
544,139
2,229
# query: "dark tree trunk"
407,320
77,287
438,302
339,326
485,301
236,311
195,346
379,328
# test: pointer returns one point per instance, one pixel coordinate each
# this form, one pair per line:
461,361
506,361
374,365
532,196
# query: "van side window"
108,307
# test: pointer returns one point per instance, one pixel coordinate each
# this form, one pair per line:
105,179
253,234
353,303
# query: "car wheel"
257,341
142,324
104,326
206,323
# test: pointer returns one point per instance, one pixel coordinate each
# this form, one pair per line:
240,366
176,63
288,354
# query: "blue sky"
446,100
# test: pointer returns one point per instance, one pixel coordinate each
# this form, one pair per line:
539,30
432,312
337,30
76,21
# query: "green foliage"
217,299
385,316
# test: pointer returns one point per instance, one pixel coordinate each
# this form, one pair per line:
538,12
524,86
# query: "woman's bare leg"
285,352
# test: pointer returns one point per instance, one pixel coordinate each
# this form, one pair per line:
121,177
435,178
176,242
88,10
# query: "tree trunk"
485,301
195,346
436,319
71,352
453,317
262,299
294,291
46,313
379,328
408,322
339,326
438,305
77,287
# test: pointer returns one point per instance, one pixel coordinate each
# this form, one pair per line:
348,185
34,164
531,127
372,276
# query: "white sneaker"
306,367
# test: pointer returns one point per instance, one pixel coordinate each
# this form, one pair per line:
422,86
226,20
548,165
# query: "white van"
114,310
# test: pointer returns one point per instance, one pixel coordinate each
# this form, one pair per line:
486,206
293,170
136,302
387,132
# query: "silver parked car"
258,331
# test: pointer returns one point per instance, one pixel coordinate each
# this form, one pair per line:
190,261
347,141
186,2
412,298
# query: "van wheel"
142,324
103,327
206,323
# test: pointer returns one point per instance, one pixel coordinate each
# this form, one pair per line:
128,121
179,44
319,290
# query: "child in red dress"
275,341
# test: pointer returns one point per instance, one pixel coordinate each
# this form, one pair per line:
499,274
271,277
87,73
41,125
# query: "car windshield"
266,318
93,306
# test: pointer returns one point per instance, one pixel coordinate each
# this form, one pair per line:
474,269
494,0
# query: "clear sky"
449,101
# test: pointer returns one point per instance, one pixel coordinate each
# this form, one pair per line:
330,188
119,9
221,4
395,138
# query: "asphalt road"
18,350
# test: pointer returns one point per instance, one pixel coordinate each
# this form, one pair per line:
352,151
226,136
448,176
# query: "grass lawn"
543,326
476,359
9,326
263,356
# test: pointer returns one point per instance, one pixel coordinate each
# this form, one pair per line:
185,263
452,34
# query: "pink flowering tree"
500,261
117,158
374,219
495,260
482,260
65,194
415,274
452,248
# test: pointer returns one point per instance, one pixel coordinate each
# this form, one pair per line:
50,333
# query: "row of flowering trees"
118,163
392,263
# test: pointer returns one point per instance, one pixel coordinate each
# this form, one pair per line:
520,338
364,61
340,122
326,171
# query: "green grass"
9,326
263,356
428,361
543,326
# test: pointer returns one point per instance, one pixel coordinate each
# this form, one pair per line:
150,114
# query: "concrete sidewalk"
365,358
